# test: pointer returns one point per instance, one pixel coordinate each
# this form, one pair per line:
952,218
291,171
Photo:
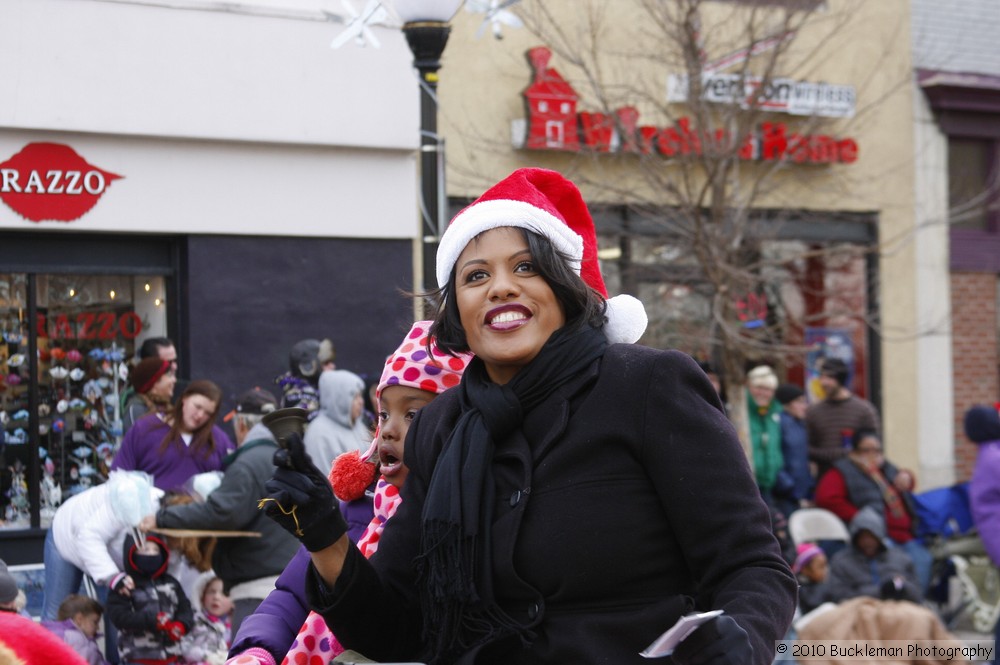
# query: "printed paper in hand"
668,641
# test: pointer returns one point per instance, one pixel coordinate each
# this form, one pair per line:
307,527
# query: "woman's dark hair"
862,434
202,441
151,347
581,304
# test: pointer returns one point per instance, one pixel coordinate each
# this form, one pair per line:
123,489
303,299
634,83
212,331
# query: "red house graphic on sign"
551,106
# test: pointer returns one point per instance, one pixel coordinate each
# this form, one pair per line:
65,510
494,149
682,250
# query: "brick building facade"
958,74
974,335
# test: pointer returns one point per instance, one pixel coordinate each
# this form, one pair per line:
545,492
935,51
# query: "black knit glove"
893,589
300,498
721,641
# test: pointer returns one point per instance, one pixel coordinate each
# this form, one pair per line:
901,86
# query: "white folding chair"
813,524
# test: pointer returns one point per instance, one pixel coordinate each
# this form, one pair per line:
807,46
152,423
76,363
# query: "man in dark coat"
247,566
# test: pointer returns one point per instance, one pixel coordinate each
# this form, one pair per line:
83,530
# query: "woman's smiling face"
507,309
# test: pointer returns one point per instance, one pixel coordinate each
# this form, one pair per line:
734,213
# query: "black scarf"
455,565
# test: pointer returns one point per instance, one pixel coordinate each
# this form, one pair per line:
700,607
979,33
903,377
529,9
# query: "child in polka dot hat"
414,375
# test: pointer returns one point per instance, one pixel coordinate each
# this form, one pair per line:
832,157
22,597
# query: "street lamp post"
425,24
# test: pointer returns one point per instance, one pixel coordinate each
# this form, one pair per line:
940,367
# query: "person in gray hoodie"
868,567
338,427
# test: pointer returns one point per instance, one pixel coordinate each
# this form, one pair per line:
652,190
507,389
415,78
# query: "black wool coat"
624,500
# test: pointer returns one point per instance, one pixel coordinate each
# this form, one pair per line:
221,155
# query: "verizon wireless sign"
51,181
780,95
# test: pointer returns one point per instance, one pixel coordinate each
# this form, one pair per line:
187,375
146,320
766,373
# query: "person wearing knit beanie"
764,419
564,445
153,381
982,423
147,373
804,554
794,447
813,570
787,392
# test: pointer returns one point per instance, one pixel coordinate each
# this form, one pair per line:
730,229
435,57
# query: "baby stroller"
946,528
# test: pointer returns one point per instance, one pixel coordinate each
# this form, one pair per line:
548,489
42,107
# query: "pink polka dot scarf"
315,643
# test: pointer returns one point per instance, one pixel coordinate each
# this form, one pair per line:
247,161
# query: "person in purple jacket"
982,426
174,446
76,625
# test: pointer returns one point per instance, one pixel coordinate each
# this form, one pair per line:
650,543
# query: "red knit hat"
147,373
547,203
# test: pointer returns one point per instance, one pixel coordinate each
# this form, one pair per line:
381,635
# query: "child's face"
215,601
817,569
87,623
398,405
148,547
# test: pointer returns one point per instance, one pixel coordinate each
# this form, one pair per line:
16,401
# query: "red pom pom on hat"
546,203
350,476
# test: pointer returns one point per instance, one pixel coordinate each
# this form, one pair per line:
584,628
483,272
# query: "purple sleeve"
223,444
984,495
277,620
358,514
125,457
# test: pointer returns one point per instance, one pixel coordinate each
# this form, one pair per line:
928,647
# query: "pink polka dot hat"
413,366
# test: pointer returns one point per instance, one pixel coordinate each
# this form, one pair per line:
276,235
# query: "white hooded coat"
333,431
89,534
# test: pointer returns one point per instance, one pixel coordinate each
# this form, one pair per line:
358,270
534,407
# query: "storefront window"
973,183
813,303
86,330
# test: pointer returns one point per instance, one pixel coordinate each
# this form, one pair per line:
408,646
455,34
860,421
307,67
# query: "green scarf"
765,442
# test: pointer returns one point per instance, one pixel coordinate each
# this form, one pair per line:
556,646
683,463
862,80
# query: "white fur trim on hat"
495,213
627,320
198,588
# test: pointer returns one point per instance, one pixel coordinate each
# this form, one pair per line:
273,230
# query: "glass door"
85,333
14,379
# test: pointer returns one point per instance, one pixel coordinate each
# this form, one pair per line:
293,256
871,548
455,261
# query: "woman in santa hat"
573,498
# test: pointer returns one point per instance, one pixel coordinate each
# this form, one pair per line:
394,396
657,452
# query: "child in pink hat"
812,570
413,376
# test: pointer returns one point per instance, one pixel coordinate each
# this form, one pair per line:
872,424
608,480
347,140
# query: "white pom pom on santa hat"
547,203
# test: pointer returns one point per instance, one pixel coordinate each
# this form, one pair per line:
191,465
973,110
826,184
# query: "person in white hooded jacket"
86,537
338,427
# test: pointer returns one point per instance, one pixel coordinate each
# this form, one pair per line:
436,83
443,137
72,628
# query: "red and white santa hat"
547,203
